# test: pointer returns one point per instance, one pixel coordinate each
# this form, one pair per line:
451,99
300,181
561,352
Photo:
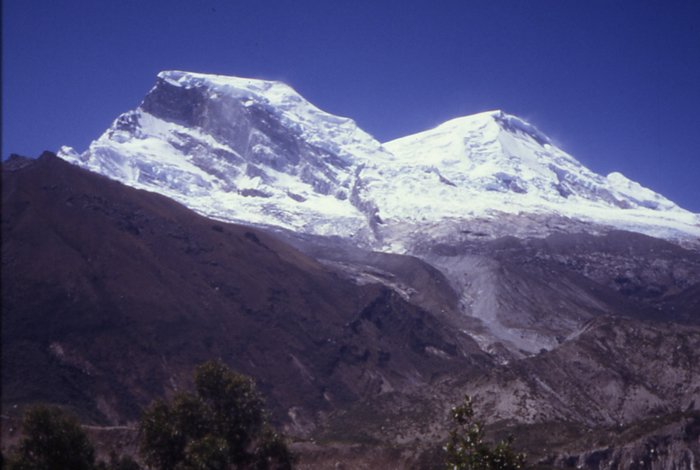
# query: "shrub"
51,440
467,451
223,425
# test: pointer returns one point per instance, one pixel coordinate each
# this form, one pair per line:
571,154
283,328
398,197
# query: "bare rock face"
518,296
658,443
254,137
613,371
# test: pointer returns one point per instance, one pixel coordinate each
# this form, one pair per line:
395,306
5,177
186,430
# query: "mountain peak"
274,93
238,149
256,152
489,124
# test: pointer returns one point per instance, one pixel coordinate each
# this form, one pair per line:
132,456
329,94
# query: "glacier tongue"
256,152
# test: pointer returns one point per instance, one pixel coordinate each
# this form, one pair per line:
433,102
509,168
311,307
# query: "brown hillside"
111,295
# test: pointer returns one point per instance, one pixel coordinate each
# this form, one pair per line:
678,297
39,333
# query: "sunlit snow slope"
241,150
256,152
492,163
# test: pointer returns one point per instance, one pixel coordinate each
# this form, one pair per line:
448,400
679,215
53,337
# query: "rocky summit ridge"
257,152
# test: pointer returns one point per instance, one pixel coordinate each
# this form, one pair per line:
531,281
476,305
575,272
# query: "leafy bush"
223,425
467,451
51,440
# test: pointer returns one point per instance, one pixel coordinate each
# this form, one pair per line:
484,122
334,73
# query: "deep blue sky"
614,83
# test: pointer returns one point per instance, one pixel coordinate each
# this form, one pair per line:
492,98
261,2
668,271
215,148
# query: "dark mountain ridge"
111,295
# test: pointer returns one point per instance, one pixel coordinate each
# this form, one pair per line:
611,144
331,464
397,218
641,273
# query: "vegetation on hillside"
466,449
223,425
51,440
54,440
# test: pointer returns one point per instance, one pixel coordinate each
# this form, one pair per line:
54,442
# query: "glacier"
256,152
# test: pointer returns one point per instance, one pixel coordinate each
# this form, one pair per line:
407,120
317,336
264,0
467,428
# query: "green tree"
467,451
52,440
222,426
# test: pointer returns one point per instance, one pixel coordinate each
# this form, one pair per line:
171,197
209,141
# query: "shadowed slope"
111,295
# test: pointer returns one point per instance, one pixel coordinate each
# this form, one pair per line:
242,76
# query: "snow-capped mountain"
474,256
241,150
491,167
256,152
